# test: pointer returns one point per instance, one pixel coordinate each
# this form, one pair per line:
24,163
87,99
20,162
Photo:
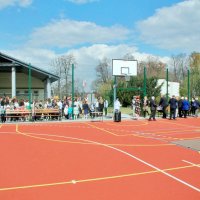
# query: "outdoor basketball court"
100,160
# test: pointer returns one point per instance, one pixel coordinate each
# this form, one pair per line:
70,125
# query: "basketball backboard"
124,67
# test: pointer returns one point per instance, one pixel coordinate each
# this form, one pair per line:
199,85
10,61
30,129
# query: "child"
70,112
76,112
3,114
66,111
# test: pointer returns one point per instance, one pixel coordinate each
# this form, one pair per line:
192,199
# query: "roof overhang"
7,62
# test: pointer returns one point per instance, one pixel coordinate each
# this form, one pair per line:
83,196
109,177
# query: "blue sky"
37,31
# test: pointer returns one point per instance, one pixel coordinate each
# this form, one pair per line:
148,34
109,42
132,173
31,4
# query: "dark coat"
173,103
152,104
163,102
196,104
180,102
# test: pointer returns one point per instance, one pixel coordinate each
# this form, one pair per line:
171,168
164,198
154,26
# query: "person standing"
185,107
105,106
173,105
97,105
153,107
3,113
85,109
76,112
101,105
137,107
197,105
60,106
117,113
163,103
65,111
192,106
133,104
145,106
117,105
180,106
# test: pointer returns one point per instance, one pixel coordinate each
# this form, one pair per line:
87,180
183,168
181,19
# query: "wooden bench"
17,114
46,113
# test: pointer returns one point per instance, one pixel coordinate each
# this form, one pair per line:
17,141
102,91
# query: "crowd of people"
175,106
81,107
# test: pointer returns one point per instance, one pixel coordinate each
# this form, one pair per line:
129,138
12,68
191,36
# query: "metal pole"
145,82
188,84
91,97
115,90
73,91
29,85
167,80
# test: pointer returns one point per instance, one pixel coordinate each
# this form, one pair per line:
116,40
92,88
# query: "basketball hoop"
122,67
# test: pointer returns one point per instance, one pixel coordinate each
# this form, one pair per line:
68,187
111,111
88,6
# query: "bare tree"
155,68
195,73
103,70
57,69
179,68
62,67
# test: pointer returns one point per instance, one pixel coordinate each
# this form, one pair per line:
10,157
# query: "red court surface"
99,161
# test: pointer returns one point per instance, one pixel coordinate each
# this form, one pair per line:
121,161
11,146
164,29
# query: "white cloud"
87,57
21,3
82,1
175,27
68,33
38,57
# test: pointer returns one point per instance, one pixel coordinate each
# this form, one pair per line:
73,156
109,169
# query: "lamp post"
188,83
73,91
114,90
29,85
145,82
167,82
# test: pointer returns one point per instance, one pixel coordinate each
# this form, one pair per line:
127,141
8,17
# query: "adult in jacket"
153,107
197,105
173,105
163,103
185,107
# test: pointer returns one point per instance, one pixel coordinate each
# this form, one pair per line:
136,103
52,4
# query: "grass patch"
124,110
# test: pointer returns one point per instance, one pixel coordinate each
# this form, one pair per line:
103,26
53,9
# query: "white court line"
191,163
132,156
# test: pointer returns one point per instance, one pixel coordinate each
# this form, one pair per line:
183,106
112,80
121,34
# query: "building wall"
173,87
21,86
21,81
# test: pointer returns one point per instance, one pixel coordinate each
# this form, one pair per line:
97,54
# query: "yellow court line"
162,132
141,136
117,135
94,179
83,143
112,124
102,129
124,135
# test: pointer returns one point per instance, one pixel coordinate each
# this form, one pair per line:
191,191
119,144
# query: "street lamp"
29,85
167,82
73,91
188,83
